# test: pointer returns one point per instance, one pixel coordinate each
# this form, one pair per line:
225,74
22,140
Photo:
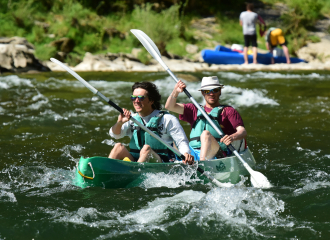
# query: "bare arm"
171,103
286,53
122,118
238,135
270,48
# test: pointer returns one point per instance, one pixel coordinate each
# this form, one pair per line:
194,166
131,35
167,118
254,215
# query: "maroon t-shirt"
229,119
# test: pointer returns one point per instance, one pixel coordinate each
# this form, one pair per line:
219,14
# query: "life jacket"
268,38
202,124
141,137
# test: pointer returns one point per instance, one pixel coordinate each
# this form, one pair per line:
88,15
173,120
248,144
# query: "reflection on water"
49,120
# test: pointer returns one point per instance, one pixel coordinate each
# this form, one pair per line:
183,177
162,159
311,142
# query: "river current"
49,120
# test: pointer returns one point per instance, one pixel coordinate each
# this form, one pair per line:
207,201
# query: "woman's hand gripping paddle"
257,179
95,91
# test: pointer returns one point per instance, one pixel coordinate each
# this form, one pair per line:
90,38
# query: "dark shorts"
250,39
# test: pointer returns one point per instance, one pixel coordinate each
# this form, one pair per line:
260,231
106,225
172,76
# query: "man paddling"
205,141
143,147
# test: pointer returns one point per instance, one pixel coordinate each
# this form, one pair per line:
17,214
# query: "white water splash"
241,97
268,75
11,81
231,95
71,148
6,196
108,142
239,208
178,176
54,83
41,101
35,181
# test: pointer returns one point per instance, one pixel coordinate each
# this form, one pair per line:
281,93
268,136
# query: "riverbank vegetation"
67,29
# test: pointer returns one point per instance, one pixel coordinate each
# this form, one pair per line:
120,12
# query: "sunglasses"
215,90
141,98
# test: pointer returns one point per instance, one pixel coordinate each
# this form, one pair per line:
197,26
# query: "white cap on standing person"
209,83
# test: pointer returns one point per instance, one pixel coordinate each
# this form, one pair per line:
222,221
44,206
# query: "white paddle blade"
149,45
259,180
73,73
146,37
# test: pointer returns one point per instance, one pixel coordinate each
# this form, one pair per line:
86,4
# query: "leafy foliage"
103,26
161,27
301,16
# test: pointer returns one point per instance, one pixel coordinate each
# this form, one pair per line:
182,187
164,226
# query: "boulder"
316,52
99,63
17,55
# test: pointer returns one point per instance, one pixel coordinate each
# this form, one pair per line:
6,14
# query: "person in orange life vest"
228,119
274,37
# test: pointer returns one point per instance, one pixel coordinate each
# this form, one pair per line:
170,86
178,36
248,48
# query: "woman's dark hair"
153,93
250,6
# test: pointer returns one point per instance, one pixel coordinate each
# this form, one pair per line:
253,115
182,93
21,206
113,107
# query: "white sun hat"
209,83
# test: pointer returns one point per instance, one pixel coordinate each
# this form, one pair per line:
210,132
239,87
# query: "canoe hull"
113,173
223,55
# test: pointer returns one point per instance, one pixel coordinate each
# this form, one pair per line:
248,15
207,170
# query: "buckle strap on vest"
202,117
138,128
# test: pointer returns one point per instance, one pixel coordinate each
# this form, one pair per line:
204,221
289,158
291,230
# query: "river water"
49,120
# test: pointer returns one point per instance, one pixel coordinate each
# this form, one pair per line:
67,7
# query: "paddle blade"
259,180
141,35
149,45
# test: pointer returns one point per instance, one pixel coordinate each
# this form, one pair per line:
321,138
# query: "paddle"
257,178
95,91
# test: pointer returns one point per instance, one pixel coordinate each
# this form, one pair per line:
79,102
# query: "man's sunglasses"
141,98
215,90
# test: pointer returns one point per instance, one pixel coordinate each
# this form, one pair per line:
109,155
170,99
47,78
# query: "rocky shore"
126,63
17,55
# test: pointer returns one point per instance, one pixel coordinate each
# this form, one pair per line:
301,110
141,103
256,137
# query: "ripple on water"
230,210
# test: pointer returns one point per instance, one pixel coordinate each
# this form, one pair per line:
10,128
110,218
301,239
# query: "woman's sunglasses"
215,90
141,98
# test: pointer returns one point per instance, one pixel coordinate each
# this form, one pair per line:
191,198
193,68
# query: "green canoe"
113,173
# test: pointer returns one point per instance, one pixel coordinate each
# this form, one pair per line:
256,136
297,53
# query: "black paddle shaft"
110,102
122,112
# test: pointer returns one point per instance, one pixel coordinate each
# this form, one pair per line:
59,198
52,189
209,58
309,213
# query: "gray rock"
17,55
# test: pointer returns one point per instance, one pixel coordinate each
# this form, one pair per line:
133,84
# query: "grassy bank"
103,26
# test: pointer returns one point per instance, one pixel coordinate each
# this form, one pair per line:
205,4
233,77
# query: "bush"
231,31
302,15
160,27
45,52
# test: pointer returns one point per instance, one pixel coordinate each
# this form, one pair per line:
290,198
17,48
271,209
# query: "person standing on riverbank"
143,147
274,37
204,140
248,20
